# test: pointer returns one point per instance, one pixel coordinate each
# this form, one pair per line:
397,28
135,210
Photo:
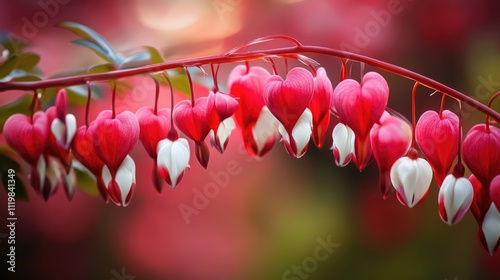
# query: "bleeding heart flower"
411,176
153,128
489,233
259,127
63,127
220,108
437,137
454,199
390,140
173,159
84,152
301,133
481,152
120,184
343,144
54,147
320,106
287,100
28,137
192,121
495,191
114,137
359,106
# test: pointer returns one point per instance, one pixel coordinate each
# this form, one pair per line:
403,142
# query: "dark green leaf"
20,105
8,65
147,56
13,43
27,61
109,57
7,163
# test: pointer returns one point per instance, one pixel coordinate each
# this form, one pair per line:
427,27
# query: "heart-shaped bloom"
411,176
454,199
259,127
287,100
63,126
481,152
437,137
114,137
173,159
192,121
390,140
84,152
153,128
296,146
359,106
28,137
220,108
120,184
489,233
320,106
343,144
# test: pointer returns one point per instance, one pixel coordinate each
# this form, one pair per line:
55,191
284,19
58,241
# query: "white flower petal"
41,167
58,130
70,129
125,178
54,173
265,128
106,176
301,132
343,144
174,156
223,132
456,196
411,178
491,227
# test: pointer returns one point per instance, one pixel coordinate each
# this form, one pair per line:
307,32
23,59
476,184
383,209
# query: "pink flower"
481,152
359,106
220,108
411,176
390,140
259,127
288,100
437,138
320,106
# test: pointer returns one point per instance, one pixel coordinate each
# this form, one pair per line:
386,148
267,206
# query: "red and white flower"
455,198
173,159
343,144
320,106
220,108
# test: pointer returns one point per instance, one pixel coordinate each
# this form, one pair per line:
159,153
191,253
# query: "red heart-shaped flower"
192,120
437,137
113,138
154,128
481,152
287,99
28,137
359,106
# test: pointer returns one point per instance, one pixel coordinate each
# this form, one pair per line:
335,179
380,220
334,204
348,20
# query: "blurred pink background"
269,215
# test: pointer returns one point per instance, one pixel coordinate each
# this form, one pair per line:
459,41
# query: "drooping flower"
437,138
411,176
220,107
221,137
343,144
173,159
119,168
390,140
259,127
481,152
84,152
191,119
320,106
454,199
359,106
63,127
287,100
489,233
154,126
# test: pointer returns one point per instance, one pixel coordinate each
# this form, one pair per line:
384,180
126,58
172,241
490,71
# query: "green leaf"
27,78
78,94
147,56
20,105
94,37
13,43
109,57
8,65
84,180
8,163
27,61
101,68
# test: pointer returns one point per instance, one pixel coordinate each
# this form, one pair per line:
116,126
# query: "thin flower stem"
441,108
254,55
113,99
413,112
214,76
157,94
172,134
87,106
489,106
190,80
459,169
32,106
